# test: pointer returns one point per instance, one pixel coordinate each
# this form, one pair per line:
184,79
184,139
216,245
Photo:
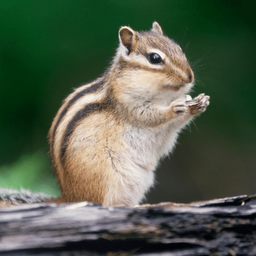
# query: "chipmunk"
109,135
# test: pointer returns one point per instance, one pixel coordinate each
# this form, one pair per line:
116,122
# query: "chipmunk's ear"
156,28
128,38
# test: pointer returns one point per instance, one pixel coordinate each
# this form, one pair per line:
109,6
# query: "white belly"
147,146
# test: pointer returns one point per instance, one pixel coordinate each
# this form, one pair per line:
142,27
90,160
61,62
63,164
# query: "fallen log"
218,227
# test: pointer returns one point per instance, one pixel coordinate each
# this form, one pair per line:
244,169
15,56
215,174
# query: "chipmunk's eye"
155,58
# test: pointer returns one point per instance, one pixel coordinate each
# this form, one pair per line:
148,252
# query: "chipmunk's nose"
190,76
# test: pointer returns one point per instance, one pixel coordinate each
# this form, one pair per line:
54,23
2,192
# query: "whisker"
184,35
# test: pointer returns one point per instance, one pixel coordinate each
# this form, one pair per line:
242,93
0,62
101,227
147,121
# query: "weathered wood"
217,227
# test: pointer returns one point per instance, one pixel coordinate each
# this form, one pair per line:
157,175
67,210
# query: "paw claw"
199,97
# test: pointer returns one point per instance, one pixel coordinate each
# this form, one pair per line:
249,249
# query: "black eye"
155,58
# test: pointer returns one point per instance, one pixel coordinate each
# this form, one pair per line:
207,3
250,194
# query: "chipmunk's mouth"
177,88
174,87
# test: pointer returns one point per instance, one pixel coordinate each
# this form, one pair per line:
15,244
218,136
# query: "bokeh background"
47,48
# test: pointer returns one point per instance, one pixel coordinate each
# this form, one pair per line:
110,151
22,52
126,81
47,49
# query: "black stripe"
90,89
80,115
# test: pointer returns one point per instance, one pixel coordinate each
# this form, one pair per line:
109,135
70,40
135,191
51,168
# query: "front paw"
179,107
201,103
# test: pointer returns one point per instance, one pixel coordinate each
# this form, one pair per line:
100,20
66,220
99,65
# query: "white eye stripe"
141,59
167,61
160,53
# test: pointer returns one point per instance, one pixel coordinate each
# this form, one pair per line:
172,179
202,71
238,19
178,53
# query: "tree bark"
218,227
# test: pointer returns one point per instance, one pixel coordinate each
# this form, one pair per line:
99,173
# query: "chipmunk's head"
153,62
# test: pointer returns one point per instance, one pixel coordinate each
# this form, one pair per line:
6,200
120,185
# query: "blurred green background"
49,47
